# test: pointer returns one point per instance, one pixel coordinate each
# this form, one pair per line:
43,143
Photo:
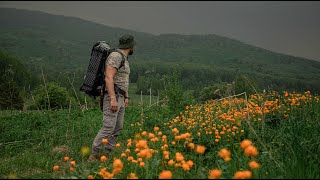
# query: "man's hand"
114,104
126,102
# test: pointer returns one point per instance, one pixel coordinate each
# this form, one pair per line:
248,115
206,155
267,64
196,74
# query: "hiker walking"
115,98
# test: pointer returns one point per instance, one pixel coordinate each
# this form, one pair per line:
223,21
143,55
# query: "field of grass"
272,135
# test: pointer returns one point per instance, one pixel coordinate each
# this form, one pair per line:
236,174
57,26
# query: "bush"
10,92
58,97
173,91
10,96
217,91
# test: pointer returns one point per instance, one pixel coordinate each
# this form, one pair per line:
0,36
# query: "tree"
10,96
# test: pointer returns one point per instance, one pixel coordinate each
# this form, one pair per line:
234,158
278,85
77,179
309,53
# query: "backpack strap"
123,59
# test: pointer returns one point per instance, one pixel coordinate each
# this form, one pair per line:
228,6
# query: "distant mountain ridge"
63,44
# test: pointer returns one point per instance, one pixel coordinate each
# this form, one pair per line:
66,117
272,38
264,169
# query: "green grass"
28,139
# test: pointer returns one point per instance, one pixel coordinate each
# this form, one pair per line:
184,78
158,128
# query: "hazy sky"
286,27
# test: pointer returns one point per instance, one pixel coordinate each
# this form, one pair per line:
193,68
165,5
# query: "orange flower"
118,145
159,133
243,174
254,165
176,165
165,174
132,176
66,158
142,144
73,163
144,133
215,174
185,167
151,135
145,153
103,158
116,170
165,146
130,158
127,150
179,157
225,154
251,151
245,143
104,141
190,163
71,169
171,162
177,138
117,163
200,149
90,177
56,168
191,145
108,175
175,131
142,164
164,137
165,153
123,155
156,128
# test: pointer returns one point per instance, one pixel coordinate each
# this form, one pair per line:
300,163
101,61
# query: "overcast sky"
286,27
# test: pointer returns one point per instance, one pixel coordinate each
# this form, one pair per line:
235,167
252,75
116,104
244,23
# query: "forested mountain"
61,45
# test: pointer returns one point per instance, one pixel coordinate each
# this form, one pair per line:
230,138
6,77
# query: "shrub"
173,91
52,96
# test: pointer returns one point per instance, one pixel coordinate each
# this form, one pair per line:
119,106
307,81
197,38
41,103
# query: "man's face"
131,51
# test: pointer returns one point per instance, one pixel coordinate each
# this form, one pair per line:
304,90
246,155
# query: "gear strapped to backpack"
94,80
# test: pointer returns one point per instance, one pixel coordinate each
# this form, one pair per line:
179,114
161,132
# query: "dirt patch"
64,149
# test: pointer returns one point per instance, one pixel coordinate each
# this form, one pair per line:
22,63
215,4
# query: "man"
114,104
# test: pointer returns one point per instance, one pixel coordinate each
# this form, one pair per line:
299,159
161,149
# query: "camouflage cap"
126,41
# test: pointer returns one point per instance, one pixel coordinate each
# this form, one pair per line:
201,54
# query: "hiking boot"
94,157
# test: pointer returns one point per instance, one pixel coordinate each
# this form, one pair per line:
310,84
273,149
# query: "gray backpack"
94,83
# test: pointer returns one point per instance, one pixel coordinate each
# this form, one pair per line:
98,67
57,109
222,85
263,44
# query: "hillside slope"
62,44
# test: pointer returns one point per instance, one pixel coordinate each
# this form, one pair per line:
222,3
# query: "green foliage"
150,80
244,84
52,96
173,91
204,59
217,91
10,93
18,72
14,77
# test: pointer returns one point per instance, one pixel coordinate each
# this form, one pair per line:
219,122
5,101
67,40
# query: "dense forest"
58,48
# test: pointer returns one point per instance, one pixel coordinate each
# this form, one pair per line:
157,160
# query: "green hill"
61,44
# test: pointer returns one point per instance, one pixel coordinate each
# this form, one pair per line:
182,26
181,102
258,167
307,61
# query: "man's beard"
131,51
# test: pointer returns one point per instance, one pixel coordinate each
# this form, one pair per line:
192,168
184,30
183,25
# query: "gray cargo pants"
112,124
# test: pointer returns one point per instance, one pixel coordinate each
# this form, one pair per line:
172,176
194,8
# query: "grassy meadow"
270,135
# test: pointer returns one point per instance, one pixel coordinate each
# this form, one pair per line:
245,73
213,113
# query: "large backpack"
94,80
